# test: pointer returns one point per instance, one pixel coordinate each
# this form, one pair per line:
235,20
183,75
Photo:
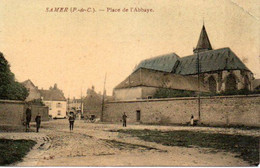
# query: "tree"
10,89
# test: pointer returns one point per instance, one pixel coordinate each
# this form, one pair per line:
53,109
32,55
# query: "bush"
169,93
232,92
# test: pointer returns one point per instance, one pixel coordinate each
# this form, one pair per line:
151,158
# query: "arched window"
231,83
246,83
212,84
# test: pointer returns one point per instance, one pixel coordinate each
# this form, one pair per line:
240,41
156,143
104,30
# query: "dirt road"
93,145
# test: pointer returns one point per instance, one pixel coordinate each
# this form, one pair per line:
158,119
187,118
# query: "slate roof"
52,95
152,78
164,63
203,42
211,60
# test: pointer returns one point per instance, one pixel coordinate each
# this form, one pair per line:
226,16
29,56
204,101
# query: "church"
218,70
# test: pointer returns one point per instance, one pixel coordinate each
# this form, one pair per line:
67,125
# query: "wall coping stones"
184,98
12,101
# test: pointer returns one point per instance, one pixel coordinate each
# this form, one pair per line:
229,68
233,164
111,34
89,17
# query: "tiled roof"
164,63
211,60
152,78
52,95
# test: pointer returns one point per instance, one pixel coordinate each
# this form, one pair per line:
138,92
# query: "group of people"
29,117
71,120
38,120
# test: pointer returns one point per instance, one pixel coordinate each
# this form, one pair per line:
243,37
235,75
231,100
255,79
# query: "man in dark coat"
38,122
28,117
71,120
124,120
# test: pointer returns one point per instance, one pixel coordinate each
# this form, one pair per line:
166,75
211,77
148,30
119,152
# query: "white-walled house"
55,100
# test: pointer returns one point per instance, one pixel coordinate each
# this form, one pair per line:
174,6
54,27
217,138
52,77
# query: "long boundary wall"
12,114
219,110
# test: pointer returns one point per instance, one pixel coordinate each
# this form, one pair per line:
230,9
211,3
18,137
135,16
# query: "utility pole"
198,70
81,104
68,104
103,100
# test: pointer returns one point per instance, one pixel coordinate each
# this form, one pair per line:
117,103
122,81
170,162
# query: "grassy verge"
246,147
12,151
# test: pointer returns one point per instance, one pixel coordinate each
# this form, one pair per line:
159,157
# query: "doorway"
138,115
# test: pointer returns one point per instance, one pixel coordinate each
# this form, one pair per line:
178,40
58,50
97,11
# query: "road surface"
91,144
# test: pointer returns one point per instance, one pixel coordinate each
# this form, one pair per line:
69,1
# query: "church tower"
203,43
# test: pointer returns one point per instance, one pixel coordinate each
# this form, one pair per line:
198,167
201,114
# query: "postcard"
129,83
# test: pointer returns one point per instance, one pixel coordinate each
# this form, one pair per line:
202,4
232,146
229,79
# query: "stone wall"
42,110
12,115
221,110
128,93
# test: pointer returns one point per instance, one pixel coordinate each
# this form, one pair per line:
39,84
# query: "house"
92,103
55,100
35,100
75,105
34,93
218,70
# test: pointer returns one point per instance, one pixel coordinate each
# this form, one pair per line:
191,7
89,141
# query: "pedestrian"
192,120
124,119
71,120
28,117
38,122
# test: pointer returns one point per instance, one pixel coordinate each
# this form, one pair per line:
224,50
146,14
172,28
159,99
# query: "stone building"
143,83
219,70
92,103
75,105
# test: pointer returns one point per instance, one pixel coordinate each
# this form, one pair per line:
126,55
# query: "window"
149,97
59,112
212,84
138,115
231,83
246,83
58,105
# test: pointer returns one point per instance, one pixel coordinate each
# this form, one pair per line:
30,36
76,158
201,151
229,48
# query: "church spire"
203,43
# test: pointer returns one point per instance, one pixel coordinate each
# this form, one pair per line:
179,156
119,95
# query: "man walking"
28,117
71,120
38,122
124,120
